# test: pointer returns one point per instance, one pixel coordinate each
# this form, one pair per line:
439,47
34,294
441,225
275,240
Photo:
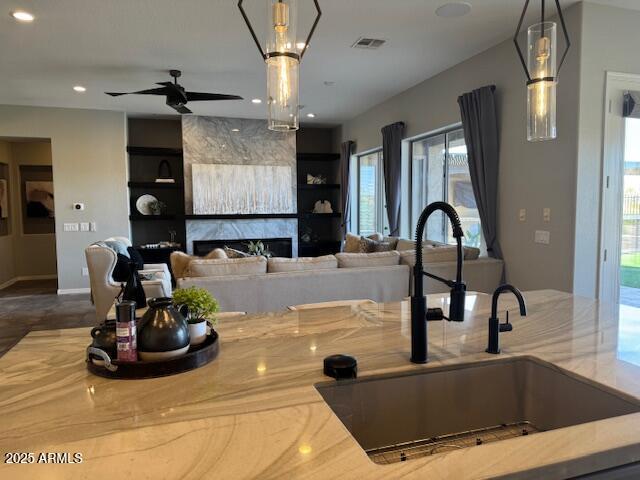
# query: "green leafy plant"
200,303
258,249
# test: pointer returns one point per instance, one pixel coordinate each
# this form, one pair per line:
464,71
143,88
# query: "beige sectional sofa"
258,284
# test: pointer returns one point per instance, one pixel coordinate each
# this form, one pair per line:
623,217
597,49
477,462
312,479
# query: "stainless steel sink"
402,416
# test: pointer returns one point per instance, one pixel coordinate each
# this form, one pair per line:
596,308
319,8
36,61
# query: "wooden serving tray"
196,357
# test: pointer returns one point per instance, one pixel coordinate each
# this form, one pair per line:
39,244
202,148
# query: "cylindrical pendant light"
542,70
282,60
283,64
541,94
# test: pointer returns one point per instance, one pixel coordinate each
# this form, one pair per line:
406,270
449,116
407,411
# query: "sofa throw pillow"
278,265
471,253
354,243
368,245
216,253
202,267
392,241
351,243
233,253
179,263
377,259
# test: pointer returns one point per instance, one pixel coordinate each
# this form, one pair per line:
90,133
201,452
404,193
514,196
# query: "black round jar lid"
341,366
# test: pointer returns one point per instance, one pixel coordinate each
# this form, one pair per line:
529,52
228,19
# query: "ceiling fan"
177,96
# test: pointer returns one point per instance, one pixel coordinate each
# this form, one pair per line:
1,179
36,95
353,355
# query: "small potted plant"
198,306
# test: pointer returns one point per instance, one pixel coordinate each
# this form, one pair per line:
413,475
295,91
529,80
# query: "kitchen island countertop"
254,411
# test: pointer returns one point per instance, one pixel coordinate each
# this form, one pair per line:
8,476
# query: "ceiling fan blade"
180,109
195,96
152,91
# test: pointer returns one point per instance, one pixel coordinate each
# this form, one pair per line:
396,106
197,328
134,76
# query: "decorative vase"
104,338
163,332
198,332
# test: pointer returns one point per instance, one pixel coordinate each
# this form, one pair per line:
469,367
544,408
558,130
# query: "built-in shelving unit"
152,155
318,233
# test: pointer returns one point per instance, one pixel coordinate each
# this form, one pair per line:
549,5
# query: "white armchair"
102,260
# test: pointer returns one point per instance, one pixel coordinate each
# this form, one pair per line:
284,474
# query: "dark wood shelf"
324,186
320,215
241,216
154,151
165,186
318,157
148,218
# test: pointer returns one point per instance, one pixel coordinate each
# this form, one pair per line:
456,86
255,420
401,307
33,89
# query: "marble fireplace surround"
239,229
236,141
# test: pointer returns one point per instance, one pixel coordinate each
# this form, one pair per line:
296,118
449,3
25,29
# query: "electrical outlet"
523,215
93,227
543,237
546,214
71,227
84,226
85,272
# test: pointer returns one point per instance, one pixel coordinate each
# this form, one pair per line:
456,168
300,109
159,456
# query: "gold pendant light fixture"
282,55
542,71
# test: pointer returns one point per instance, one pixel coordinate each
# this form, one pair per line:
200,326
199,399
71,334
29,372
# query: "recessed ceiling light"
311,115
453,9
235,129
80,89
256,101
22,16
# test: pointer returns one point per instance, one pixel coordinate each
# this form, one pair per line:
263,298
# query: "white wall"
532,175
89,165
610,42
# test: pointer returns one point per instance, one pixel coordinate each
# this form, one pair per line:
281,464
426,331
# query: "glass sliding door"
427,181
440,172
370,198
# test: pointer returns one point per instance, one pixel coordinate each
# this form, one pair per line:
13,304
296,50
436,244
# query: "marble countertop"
254,412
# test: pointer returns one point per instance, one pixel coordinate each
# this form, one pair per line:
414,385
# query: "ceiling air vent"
369,43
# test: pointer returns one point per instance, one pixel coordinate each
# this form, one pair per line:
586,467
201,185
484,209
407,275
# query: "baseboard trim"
23,278
73,291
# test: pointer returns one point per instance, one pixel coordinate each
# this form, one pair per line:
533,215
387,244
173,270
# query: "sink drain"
446,443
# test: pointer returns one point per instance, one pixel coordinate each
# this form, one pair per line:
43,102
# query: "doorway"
630,234
27,218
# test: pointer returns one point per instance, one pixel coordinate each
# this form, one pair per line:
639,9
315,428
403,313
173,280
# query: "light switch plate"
543,237
522,214
546,214
85,272
84,226
71,227
93,227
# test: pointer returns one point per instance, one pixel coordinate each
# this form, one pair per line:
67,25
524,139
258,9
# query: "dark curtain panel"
392,160
480,123
346,149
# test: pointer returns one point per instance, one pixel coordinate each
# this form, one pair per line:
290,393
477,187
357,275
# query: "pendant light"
542,68
282,55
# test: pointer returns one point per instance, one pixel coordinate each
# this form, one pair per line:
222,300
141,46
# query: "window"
372,215
440,171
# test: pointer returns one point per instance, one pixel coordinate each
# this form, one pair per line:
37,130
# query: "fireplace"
279,247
